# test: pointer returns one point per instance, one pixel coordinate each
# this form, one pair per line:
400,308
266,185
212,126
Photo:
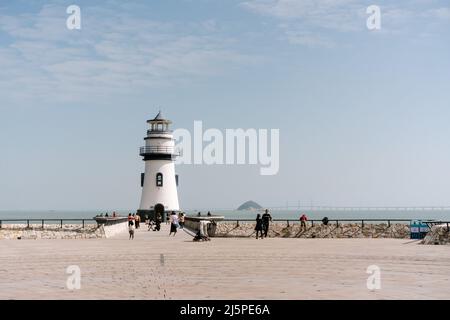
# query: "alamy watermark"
374,280
374,20
73,22
235,146
74,279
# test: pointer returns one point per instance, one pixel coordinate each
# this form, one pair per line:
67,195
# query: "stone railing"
103,228
110,227
293,230
193,223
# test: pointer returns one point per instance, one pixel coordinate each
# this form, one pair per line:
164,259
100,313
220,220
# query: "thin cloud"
313,23
117,53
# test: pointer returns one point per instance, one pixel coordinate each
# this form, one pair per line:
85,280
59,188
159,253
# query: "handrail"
27,221
320,220
375,219
336,221
155,149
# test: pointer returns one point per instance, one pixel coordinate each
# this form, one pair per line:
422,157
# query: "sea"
418,214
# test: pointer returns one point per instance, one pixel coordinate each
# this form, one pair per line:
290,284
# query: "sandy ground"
154,266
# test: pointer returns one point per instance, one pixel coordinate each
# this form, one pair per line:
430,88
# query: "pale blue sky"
363,115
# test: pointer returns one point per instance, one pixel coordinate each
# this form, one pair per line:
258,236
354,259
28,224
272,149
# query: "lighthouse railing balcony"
159,131
156,150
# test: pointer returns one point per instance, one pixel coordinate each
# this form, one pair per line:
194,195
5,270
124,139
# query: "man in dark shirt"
266,218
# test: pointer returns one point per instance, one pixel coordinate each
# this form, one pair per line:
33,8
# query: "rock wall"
349,230
438,234
51,232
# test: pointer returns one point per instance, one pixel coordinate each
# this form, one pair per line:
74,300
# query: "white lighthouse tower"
159,182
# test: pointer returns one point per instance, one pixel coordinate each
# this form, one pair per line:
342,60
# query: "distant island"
249,205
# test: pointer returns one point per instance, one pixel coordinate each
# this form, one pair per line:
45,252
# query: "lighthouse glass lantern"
159,182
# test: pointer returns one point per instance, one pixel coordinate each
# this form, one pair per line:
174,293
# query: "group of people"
199,214
114,215
176,221
155,224
134,221
263,223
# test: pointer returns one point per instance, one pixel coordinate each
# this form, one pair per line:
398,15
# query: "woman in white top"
173,223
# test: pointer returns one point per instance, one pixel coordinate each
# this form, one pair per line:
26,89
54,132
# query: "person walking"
259,226
173,223
266,219
303,220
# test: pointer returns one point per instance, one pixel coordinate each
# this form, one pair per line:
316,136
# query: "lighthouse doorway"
159,208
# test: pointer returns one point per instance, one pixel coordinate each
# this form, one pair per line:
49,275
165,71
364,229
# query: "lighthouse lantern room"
159,182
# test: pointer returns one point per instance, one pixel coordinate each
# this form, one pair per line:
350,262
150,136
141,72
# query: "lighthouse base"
151,214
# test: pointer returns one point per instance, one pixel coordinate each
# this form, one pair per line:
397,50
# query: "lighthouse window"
159,179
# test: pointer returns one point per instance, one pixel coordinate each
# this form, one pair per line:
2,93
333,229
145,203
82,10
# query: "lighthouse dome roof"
159,118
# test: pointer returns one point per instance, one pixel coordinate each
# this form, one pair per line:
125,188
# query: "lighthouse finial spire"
159,116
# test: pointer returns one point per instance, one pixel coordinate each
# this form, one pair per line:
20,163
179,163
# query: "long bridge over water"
294,207
363,208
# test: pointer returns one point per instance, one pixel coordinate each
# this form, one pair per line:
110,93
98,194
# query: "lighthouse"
159,182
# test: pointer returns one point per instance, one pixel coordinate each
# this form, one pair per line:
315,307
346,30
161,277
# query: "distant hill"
249,205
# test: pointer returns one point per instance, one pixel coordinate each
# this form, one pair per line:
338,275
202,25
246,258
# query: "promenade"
154,266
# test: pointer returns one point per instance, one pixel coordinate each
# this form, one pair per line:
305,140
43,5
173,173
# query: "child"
131,230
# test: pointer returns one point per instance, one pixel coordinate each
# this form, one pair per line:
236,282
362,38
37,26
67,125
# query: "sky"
363,114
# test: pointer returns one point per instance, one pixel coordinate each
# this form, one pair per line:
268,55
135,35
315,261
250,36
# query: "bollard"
61,223
42,223
83,223
362,223
287,222
28,224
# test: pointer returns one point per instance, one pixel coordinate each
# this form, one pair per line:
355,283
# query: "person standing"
138,221
158,221
181,220
173,223
259,226
266,219
303,220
